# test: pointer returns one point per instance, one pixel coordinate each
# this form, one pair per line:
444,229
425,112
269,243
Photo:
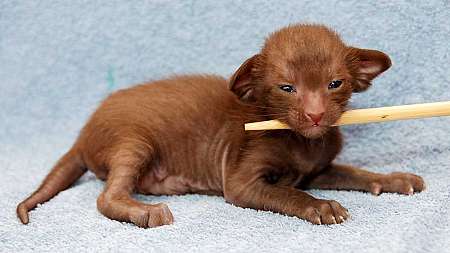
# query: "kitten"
185,135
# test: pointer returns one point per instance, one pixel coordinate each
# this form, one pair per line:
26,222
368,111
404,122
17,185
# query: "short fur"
185,135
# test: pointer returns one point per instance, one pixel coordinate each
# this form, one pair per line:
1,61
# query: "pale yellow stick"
370,115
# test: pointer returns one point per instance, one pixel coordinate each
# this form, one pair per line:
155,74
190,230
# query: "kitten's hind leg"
116,202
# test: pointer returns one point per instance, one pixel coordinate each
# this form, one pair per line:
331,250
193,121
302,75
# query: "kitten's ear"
241,83
365,65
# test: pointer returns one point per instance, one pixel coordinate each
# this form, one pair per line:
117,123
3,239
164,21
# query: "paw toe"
152,216
375,188
398,182
312,215
326,212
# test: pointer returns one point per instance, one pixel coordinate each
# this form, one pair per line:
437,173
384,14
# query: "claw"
375,188
410,191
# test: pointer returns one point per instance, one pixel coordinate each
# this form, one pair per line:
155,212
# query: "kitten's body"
195,125
185,135
192,126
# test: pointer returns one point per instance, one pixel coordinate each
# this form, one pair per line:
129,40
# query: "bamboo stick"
381,114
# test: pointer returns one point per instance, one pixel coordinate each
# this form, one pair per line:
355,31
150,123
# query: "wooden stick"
371,115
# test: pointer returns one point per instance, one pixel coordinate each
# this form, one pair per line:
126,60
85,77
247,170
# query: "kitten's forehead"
314,46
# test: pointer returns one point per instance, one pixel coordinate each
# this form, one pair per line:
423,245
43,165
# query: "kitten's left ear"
365,65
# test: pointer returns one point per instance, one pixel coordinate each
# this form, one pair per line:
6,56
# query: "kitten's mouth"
312,131
315,127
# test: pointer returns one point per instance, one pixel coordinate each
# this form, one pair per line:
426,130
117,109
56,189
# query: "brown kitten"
185,135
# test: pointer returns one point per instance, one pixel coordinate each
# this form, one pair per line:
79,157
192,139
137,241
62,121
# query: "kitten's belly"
159,182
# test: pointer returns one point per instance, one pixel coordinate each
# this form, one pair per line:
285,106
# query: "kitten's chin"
312,132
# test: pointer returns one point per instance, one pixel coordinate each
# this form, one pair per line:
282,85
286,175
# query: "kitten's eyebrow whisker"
266,107
270,113
275,113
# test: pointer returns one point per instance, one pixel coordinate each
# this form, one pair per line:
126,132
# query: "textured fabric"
58,59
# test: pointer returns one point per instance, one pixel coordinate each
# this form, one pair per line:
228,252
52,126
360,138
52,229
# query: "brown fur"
185,135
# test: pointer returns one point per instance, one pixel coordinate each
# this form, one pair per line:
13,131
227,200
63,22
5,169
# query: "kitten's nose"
314,117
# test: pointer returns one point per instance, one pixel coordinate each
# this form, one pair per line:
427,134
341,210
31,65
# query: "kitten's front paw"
397,182
321,211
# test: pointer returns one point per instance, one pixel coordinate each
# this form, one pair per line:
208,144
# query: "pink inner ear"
370,67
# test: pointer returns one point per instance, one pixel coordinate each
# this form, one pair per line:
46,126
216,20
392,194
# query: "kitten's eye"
288,88
334,84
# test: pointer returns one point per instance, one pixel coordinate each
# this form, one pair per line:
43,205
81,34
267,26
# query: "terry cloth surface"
59,59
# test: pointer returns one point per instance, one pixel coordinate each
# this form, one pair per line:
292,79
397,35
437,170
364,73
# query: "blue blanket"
59,59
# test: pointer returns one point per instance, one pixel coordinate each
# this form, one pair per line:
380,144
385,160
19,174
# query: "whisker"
271,114
266,107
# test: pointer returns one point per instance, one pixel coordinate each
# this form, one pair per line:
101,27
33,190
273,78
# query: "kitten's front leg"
344,177
251,191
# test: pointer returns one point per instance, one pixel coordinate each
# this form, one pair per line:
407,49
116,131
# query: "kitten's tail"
66,171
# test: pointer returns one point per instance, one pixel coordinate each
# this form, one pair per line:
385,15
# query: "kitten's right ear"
241,83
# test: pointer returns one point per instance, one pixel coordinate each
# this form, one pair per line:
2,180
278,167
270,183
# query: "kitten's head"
304,76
